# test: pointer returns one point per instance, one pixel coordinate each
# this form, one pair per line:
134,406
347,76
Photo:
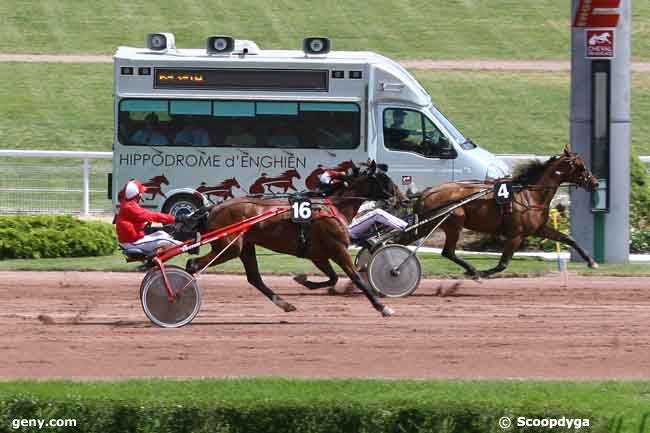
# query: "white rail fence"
62,182
69,182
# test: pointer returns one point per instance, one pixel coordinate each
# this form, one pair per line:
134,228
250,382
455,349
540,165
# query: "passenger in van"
150,134
283,136
239,135
192,134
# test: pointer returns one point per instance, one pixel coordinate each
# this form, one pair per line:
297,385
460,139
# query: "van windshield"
455,133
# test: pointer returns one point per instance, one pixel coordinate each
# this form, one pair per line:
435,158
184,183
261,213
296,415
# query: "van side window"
411,131
225,123
144,123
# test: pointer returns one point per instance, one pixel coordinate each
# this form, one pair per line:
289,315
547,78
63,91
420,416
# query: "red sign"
597,13
600,43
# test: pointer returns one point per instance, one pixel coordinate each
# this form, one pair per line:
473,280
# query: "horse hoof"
332,291
593,265
387,311
288,308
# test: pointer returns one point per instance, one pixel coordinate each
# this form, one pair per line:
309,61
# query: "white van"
232,119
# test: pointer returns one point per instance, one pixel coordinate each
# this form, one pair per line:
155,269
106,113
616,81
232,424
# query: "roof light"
316,45
219,44
161,42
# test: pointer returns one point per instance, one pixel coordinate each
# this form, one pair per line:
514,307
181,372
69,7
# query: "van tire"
181,204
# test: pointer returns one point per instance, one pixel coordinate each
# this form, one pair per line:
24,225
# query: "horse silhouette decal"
602,38
154,186
223,189
312,180
283,182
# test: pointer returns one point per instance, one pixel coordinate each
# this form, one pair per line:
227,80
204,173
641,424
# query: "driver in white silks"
361,227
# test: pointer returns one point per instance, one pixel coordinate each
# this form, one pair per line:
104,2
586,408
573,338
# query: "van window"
411,131
268,124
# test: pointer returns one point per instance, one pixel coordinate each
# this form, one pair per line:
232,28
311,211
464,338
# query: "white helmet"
133,188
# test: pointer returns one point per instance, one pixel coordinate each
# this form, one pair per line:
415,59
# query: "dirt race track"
91,325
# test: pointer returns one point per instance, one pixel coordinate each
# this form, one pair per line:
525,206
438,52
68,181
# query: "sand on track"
90,325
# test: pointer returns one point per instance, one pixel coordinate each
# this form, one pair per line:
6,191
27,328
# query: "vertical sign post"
600,124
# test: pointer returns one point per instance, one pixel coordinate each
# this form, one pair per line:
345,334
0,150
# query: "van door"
413,147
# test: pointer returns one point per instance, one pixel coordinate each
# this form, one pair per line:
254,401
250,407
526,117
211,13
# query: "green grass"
624,402
433,265
70,107
56,107
526,29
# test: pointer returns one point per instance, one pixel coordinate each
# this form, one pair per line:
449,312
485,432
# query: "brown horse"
528,217
327,234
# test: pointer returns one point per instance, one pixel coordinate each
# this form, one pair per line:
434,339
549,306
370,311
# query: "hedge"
34,237
115,416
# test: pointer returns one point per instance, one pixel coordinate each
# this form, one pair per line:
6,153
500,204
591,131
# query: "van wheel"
181,204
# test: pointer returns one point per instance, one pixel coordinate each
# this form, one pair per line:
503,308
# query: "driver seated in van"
396,134
131,220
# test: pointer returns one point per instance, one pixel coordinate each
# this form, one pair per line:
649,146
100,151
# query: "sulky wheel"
156,304
151,272
394,272
362,259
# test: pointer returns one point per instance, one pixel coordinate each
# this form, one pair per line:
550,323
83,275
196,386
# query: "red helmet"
132,189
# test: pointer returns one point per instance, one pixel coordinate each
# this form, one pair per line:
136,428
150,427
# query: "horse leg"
452,234
249,260
554,235
325,266
342,258
509,249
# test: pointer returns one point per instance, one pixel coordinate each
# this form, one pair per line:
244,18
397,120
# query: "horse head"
374,184
572,168
345,165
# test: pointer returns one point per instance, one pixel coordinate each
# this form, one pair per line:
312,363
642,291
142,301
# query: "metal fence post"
86,190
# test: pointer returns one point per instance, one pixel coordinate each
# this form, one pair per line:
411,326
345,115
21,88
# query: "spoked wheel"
156,304
394,272
151,273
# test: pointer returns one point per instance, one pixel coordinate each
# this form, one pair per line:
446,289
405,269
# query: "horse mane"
529,172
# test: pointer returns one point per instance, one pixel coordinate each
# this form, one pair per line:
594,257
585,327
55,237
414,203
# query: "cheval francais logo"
600,43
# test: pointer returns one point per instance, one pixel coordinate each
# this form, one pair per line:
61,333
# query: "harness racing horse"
527,217
328,234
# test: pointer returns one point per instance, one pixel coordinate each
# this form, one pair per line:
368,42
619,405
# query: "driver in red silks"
131,220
